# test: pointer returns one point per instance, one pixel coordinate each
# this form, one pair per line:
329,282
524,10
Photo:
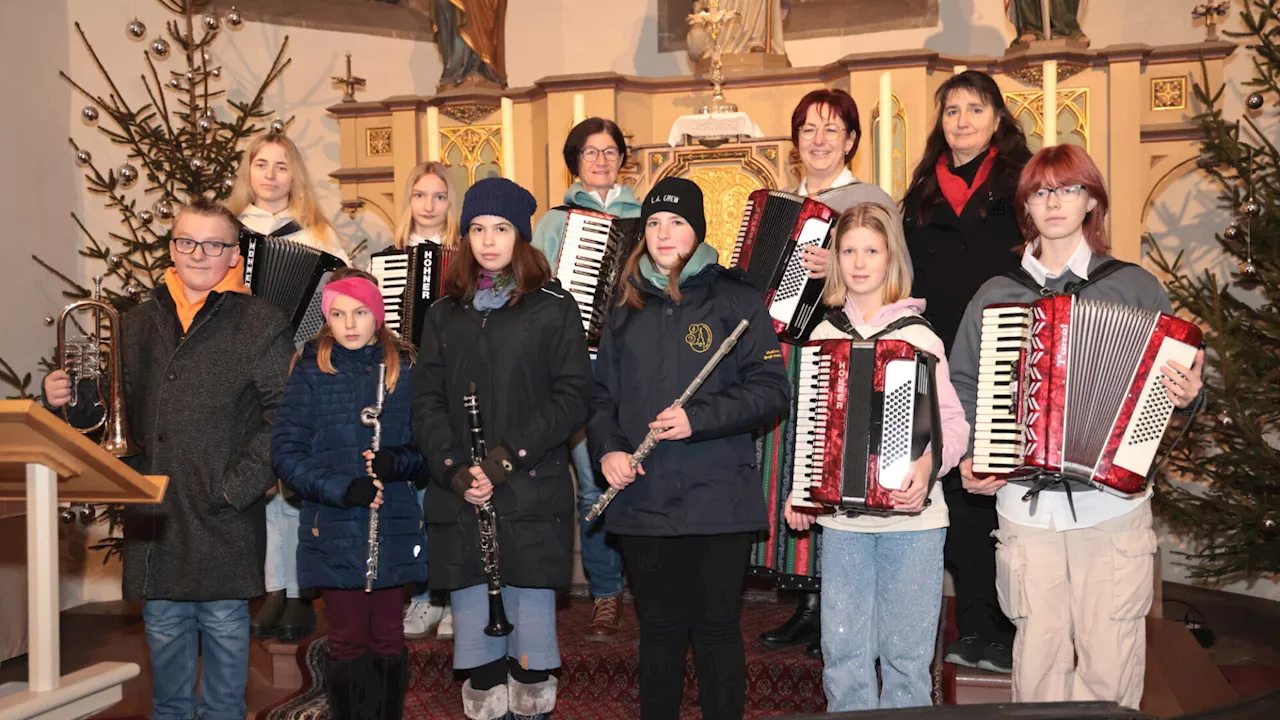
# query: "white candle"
433,133
1050,102
579,108
508,139
884,135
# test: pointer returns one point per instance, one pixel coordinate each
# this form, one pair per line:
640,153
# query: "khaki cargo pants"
1079,599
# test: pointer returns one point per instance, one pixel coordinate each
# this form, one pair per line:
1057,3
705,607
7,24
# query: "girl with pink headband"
320,448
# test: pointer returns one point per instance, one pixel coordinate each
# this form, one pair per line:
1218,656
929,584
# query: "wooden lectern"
44,460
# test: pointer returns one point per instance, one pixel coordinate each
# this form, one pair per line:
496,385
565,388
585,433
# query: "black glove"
360,493
497,465
384,467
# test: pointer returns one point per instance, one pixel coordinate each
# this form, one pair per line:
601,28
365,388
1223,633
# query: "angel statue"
469,34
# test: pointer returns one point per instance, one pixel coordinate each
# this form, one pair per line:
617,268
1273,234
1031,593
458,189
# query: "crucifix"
350,83
714,19
1211,11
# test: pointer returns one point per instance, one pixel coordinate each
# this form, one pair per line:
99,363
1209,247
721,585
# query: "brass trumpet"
81,357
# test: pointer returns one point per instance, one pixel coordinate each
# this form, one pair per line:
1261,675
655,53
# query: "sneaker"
421,617
606,617
444,630
967,651
997,658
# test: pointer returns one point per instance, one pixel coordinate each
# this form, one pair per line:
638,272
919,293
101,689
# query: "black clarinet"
487,520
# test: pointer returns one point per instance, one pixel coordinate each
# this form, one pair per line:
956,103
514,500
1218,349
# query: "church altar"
1131,106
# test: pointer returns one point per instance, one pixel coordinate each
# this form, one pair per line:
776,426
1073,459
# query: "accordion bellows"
290,276
776,226
1072,386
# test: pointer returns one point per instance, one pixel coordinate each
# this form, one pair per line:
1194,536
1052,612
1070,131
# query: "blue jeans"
175,632
281,571
881,596
601,563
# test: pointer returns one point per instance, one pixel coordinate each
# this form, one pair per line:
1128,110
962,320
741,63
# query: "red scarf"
954,188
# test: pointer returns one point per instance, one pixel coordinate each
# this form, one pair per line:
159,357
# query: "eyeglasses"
831,132
591,154
211,248
1065,193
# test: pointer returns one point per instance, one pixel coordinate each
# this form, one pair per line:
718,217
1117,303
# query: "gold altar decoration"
475,151
1105,106
1033,74
1168,93
1027,107
713,20
377,141
901,173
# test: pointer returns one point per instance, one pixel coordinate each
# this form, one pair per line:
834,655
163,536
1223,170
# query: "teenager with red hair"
1075,580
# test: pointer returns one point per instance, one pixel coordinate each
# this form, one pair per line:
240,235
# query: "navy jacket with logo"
707,483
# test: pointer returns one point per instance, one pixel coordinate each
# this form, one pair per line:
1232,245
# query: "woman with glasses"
1073,571
826,131
593,153
961,230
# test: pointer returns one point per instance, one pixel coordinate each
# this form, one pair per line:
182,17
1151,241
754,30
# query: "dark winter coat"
202,403
954,255
533,382
707,483
316,447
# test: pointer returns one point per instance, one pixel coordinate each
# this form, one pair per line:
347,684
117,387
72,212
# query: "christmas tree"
1231,506
184,140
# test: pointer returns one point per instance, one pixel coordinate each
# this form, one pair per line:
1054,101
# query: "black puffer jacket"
954,255
533,382
707,483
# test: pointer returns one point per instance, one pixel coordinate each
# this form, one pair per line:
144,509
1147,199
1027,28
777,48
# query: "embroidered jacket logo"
699,337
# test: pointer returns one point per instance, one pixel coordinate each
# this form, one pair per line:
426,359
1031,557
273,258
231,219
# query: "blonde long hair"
392,344
302,194
404,228
877,219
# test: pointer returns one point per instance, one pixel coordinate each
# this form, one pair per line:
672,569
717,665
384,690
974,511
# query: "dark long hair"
528,266
1009,141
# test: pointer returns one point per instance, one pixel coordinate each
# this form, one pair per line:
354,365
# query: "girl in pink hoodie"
882,576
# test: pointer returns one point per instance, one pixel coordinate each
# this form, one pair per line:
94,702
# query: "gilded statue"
469,34
1027,17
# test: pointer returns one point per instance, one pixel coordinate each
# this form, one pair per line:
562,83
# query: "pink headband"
356,288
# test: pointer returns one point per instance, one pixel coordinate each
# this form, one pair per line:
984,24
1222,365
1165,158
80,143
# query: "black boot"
267,618
388,683
814,649
297,622
800,629
346,684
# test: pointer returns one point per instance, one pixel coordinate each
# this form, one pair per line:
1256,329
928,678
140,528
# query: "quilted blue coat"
316,446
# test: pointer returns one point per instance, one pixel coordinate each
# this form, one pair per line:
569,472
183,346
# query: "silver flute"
369,418
651,439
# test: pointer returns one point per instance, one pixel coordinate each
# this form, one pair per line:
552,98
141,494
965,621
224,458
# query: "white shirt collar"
1078,263
416,239
263,221
844,178
610,196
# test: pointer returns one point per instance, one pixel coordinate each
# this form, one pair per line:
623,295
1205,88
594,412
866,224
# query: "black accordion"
410,280
594,247
775,228
290,276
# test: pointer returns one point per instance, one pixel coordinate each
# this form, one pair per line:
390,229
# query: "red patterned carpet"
598,681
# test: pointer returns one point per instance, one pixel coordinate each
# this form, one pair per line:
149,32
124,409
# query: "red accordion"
1072,387
864,412
775,226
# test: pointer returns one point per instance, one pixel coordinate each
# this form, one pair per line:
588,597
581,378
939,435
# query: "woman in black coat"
508,330
686,524
961,230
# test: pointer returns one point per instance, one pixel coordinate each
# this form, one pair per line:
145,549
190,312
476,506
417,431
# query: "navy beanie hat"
503,198
680,196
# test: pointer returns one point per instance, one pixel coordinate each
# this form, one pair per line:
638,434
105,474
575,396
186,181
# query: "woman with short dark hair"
962,230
